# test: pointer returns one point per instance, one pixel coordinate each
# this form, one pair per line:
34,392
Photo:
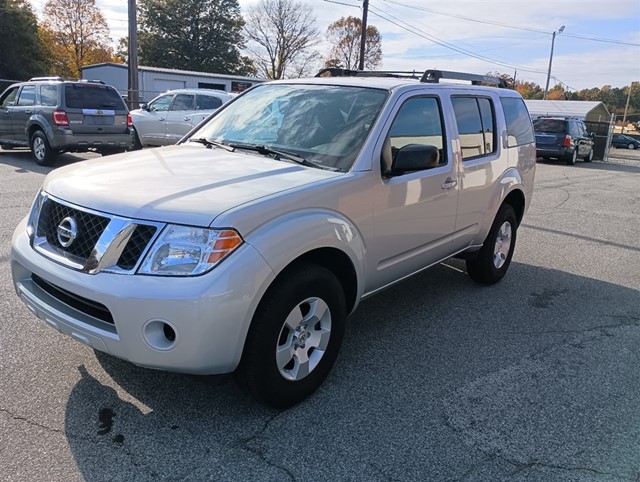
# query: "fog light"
160,335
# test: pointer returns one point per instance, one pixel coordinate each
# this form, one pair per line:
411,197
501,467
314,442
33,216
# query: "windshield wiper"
266,150
211,143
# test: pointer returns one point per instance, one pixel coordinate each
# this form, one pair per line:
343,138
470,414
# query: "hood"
185,184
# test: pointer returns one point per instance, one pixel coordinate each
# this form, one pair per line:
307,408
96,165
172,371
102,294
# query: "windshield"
325,125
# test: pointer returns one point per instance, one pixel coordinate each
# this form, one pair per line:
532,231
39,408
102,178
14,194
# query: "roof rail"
434,76
429,76
44,79
340,72
92,81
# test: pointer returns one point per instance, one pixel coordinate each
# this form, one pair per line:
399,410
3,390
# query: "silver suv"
245,247
51,116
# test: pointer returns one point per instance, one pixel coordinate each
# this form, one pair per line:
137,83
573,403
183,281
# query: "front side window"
161,104
419,121
27,95
9,98
183,102
476,126
324,124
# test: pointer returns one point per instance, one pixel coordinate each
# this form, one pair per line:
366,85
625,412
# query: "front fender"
286,238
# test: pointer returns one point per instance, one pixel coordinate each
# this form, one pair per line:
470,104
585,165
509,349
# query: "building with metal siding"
155,80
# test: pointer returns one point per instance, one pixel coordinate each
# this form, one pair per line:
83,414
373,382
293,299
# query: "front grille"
136,245
90,228
84,305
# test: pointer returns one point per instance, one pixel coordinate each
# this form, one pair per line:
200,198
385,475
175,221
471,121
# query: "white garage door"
162,85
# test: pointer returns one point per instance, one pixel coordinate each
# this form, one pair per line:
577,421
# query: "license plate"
98,120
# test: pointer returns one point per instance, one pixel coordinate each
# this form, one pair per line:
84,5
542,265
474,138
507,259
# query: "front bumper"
209,314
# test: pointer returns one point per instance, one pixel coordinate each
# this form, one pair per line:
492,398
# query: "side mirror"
144,107
415,157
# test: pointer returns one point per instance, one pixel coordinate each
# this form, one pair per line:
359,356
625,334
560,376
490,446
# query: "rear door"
206,104
94,109
550,133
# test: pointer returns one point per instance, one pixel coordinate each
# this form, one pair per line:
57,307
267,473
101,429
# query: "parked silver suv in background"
245,247
167,118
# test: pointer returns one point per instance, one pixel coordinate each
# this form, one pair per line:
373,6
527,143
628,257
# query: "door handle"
28,111
449,183
160,118
187,118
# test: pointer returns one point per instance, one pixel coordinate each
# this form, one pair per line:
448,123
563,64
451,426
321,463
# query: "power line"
491,22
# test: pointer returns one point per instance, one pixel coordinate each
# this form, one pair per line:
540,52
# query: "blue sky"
482,36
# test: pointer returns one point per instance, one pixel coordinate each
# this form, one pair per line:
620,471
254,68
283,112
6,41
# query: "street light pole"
553,40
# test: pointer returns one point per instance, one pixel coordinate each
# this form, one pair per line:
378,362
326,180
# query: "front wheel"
294,337
41,150
494,257
631,146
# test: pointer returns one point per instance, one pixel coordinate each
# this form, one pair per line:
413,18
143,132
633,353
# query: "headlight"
34,215
188,251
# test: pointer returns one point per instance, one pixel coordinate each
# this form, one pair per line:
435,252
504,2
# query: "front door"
7,103
414,213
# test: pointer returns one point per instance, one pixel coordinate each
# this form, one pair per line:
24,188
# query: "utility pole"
363,36
626,108
553,39
134,90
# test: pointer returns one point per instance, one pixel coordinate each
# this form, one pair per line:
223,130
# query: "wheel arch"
516,199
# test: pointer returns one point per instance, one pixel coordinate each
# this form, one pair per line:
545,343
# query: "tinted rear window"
92,96
550,125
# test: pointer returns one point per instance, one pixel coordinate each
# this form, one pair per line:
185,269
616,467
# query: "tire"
494,257
137,144
571,160
589,158
631,146
41,150
301,318
109,152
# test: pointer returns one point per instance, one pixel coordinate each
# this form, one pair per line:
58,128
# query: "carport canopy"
580,109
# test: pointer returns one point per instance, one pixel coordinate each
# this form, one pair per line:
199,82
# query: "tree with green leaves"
202,35
22,55
77,34
345,36
282,35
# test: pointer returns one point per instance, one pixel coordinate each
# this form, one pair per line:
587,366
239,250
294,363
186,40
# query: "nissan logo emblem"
67,231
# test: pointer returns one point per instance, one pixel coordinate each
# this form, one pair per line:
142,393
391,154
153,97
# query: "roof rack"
430,76
45,79
93,81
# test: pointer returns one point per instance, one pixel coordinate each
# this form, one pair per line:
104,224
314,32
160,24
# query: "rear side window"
49,95
207,102
519,131
92,96
27,95
476,126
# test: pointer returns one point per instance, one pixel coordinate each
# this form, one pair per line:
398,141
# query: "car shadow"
384,407
21,159
611,165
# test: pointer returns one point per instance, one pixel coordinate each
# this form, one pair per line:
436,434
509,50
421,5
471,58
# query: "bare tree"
344,36
281,35
78,33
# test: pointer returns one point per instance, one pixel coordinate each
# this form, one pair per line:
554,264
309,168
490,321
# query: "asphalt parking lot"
536,378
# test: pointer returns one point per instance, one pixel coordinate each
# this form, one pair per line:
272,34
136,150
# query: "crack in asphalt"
246,444
31,422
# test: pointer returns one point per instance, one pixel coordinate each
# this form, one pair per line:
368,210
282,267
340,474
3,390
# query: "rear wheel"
137,144
41,150
494,257
294,337
589,157
6,147
571,160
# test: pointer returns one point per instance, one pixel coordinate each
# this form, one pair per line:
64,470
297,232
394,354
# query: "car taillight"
129,120
60,118
567,141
